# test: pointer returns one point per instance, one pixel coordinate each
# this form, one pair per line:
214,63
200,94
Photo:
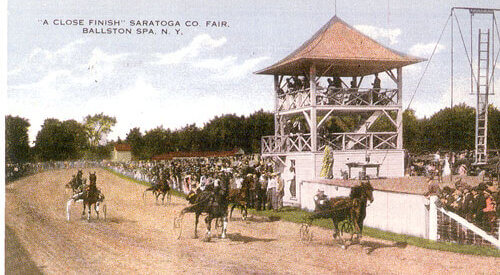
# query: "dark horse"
77,182
344,210
89,196
212,201
237,199
158,188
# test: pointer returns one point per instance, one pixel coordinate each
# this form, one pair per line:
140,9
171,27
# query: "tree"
451,129
412,132
60,140
258,124
157,141
17,149
493,127
189,138
136,141
226,133
97,126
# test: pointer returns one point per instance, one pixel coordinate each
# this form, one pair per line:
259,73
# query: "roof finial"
335,7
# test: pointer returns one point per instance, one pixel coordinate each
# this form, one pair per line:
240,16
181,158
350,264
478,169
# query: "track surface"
138,237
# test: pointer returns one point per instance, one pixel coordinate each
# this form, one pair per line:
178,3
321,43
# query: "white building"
121,153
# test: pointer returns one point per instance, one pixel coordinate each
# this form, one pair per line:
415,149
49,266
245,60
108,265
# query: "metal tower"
483,65
482,81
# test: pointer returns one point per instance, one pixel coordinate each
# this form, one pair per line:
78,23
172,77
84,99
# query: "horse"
363,192
212,201
89,196
237,198
77,182
350,210
160,188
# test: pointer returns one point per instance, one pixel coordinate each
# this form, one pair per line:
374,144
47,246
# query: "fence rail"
286,143
337,141
453,228
338,97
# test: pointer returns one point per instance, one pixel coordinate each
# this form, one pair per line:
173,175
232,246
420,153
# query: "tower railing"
337,141
338,97
286,143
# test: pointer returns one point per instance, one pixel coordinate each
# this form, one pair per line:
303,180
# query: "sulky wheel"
178,226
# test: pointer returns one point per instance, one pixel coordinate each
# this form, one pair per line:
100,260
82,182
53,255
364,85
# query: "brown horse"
89,196
212,201
343,211
160,188
237,199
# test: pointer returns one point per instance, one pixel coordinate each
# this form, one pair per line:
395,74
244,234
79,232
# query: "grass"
296,215
145,183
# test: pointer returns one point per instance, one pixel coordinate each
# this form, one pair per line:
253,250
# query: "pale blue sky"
172,80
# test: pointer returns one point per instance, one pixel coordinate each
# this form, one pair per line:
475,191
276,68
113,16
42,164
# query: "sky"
57,68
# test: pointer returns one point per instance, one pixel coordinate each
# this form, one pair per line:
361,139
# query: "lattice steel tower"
482,80
482,92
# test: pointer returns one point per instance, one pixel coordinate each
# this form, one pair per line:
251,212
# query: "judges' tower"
326,94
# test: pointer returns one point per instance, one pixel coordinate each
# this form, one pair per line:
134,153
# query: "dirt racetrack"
138,237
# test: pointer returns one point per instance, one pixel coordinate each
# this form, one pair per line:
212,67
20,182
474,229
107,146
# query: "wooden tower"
322,99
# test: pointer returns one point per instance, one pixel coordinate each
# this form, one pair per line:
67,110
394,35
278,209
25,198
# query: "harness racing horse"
343,210
212,201
160,188
89,196
77,182
237,199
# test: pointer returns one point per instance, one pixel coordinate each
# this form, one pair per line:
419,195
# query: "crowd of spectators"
437,164
337,92
477,204
257,178
14,171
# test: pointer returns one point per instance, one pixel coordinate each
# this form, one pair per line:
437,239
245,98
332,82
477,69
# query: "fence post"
433,220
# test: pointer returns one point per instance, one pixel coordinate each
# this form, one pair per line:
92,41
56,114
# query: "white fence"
402,213
390,211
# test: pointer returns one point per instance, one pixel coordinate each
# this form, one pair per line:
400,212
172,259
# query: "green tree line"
449,129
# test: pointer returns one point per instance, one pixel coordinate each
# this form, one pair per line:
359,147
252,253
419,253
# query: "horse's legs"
231,212
68,206
163,198
157,194
208,221
90,209
197,217
83,212
244,212
224,227
96,207
337,234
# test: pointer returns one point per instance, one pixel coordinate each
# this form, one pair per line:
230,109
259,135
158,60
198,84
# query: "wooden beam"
399,118
324,118
314,129
308,119
392,76
390,118
360,80
324,72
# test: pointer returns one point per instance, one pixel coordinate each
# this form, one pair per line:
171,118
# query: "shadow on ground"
260,219
237,237
371,246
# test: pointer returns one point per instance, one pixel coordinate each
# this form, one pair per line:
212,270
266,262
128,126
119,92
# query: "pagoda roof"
343,51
